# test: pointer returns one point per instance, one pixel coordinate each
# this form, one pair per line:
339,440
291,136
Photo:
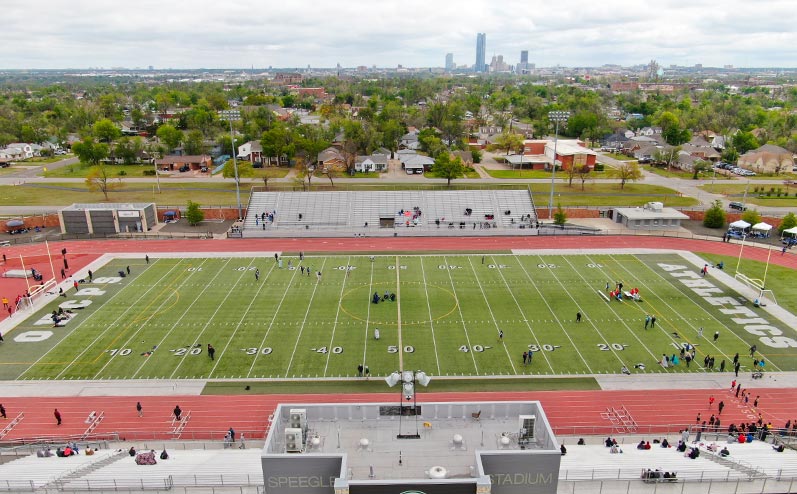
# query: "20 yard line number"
606,347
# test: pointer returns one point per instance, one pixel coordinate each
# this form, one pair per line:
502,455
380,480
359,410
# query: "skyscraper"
481,47
524,56
449,62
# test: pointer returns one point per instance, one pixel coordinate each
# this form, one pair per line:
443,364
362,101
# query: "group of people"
59,316
658,475
266,215
388,296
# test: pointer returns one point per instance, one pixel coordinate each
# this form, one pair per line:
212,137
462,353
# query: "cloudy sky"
414,33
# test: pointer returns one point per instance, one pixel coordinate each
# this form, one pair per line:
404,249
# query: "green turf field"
158,322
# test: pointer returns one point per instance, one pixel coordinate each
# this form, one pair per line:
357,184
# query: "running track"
211,415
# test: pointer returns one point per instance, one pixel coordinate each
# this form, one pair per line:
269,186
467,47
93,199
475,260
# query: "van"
737,205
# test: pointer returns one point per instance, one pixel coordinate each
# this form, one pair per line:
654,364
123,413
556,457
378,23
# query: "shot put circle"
356,295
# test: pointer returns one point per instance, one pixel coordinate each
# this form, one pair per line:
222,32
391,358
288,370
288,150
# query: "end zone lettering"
769,335
300,481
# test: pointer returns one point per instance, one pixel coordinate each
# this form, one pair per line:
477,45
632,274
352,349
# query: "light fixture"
556,117
408,379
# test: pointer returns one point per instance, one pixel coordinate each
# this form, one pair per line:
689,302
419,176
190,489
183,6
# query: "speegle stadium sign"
767,334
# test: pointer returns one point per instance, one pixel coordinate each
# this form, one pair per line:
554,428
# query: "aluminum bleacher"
31,472
370,212
184,468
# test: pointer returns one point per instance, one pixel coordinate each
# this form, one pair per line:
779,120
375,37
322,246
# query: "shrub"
715,216
122,173
149,173
598,167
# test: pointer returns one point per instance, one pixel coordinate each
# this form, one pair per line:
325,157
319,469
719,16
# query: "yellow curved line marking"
395,323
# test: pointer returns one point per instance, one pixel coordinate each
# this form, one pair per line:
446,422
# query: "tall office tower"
449,62
481,46
524,56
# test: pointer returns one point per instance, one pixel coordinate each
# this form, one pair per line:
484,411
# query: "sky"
54,34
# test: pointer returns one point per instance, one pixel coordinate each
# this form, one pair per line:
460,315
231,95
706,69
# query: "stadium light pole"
235,167
556,117
408,380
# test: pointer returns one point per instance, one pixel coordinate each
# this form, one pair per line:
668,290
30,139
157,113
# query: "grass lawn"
778,278
44,160
449,309
64,194
608,194
79,170
757,194
620,157
376,385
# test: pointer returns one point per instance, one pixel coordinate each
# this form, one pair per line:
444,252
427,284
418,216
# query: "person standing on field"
139,409
177,412
57,416
578,316
211,352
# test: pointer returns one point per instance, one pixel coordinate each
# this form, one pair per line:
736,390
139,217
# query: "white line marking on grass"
620,318
243,316
272,323
710,315
462,318
525,317
398,315
431,319
156,312
108,328
337,314
153,314
304,320
555,317
490,309
210,319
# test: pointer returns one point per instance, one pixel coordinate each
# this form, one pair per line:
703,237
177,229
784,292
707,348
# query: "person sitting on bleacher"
779,448
664,443
724,452
641,444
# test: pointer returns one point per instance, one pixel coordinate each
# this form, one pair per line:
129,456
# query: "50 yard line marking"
398,314
431,318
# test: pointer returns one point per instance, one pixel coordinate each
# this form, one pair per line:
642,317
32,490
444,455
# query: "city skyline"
50,34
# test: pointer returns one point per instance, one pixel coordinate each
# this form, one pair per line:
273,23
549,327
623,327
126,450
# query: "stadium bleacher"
501,211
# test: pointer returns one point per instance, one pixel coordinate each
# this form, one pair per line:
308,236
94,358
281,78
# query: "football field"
452,315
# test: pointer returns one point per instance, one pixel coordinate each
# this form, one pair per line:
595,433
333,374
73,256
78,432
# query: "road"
687,187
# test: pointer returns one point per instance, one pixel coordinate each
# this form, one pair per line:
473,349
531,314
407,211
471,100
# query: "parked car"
737,205
184,168
204,169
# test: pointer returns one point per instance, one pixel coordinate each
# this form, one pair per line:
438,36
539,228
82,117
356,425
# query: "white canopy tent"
740,225
791,231
761,229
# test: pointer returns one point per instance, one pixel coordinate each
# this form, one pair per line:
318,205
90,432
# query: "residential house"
251,151
372,163
767,159
649,131
700,148
465,156
332,159
410,141
19,151
416,162
195,162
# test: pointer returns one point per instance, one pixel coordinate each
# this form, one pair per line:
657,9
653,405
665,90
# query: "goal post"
758,285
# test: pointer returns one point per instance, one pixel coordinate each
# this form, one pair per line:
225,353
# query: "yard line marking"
368,313
525,317
550,310
154,314
490,309
304,321
218,307
337,314
710,315
85,322
461,316
398,314
622,321
272,323
431,319
243,316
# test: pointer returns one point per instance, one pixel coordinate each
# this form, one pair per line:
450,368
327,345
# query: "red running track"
568,411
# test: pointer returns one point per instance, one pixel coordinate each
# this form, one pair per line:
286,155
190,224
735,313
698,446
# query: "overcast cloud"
385,33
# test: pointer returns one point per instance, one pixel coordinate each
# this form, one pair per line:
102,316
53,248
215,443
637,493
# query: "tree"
751,216
98,178
507,141
666,156
279,141
583,174
331,174
245,169
170,136
627,171
445,167
788,221
744,141
90,152
106,131
193,214
269,173
699,167
127,149
714,216
560,216
194,143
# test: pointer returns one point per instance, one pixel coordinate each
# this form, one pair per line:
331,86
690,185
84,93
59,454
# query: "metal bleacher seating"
31,472
184,468
353,211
